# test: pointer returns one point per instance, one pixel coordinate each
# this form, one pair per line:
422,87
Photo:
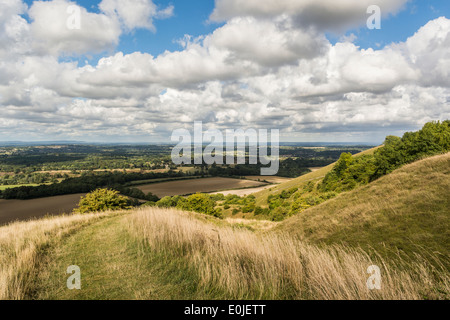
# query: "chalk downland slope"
408,210
261,197
168,254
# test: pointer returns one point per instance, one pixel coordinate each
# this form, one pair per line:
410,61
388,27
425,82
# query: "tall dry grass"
246,265
21,245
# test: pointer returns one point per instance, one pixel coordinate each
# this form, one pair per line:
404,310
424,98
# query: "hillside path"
111,263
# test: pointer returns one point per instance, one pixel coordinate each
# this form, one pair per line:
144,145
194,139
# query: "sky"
135,70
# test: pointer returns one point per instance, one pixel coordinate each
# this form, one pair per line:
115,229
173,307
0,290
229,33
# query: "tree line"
86,183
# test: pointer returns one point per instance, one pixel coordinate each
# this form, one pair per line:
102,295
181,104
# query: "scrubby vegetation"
202,203
102,200
353,171
350,172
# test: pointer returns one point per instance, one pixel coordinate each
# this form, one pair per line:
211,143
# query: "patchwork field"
174,188
12,210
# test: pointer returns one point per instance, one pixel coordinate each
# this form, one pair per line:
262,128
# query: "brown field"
174,188
21,210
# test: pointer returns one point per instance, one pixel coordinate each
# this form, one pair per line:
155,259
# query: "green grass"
114,265
407,210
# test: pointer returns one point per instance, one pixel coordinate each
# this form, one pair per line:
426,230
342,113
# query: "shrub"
168,202
258,211
248,208
102,200
199,202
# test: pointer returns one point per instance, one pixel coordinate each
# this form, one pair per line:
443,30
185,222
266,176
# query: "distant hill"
406,210
37,143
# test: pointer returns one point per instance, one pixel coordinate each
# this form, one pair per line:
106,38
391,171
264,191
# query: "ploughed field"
21,210
12,210
184,187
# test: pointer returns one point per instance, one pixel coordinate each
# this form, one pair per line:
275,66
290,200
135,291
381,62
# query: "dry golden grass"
21,245
406,210
243,264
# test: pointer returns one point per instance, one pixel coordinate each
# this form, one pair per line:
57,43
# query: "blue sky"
402,25
273,64
191,18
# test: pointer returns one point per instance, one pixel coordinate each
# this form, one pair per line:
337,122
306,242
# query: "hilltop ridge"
406,210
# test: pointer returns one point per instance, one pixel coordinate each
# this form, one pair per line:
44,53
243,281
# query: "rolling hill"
301,181
406,210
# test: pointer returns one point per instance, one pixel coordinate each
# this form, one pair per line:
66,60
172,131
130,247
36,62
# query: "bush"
199,202
102,200
168,202
149,204
259,211
248,208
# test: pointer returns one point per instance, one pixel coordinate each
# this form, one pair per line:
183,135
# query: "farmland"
40,180
173,188
12,210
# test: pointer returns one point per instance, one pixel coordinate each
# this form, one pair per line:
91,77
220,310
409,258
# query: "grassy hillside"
169,254
407,209
261,197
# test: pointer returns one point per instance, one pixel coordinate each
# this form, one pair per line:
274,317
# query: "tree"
102,200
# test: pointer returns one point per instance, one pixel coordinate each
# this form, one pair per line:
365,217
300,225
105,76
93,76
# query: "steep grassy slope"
261,197
408,210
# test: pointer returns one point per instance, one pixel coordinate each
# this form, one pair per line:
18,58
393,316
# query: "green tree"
102,200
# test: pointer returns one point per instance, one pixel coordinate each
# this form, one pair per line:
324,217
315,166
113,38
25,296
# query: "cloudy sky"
135,70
